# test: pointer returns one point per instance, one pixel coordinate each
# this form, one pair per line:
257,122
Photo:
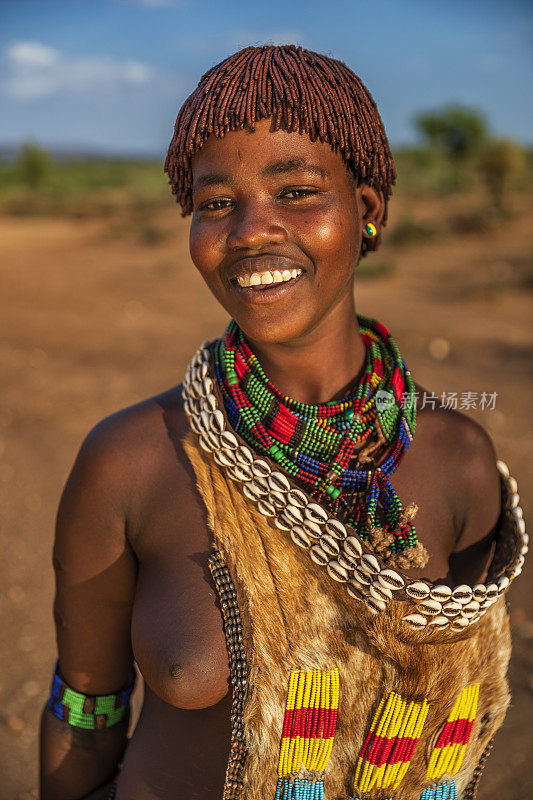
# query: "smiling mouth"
266,278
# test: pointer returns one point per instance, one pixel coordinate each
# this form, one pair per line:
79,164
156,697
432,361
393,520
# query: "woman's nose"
254,227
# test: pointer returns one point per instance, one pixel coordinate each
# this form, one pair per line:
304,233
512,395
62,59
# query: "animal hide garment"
396,684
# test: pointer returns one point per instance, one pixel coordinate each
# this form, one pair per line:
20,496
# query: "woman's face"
276,229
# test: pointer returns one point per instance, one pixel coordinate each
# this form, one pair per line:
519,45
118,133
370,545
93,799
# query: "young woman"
306,570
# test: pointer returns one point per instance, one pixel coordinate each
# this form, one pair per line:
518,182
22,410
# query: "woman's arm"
95,582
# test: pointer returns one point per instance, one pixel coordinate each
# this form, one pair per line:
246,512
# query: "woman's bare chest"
177,629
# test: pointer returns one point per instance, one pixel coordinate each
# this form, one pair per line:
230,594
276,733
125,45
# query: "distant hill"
76,152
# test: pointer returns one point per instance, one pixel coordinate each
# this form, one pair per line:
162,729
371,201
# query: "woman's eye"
214,205
298,194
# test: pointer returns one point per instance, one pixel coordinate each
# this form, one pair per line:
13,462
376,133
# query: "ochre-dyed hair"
301,91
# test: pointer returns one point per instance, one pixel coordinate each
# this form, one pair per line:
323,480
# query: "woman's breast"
177,630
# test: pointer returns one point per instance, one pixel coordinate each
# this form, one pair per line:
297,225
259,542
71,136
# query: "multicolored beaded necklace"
342,451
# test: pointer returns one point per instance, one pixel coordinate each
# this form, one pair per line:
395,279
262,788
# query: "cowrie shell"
417,590
354,590
195,424
440,593
512,484
439,621
260,468
337,572
278,482
241,472
369,563
471,608
503,469
459,623
451,609
479,592
345,562
207,383
297,498
380,592
218,422
375,605
336,529
300,537
492,591
243,455
261,485
266,508
416,620
352,547
294,514
223,458
514,500
430,606
502,583
209,403
318,555
205,444
278,499
315,513
205,421
251,491
362,577
282,524
390,579
329,544
313,529
462,593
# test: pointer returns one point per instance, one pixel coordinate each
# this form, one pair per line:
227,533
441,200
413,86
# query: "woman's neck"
319,366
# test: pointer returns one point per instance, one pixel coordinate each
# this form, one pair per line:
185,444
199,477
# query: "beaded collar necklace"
343,451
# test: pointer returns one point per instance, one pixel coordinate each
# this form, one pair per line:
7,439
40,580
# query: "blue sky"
111,74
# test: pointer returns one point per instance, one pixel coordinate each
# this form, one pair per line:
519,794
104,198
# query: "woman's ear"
371,205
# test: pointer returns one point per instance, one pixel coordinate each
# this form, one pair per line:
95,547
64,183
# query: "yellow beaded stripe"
389,746
448,753
310,720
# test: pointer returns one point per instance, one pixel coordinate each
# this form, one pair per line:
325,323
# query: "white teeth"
265,278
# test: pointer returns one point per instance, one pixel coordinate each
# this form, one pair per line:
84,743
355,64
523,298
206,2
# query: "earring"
371,229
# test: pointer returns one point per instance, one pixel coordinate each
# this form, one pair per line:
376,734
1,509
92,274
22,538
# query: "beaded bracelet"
89,711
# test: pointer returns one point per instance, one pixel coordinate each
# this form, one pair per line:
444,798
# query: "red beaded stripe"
456,732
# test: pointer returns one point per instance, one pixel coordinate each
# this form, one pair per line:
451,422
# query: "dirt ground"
98,314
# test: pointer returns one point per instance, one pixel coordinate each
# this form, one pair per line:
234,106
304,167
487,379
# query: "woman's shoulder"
126,450
462,452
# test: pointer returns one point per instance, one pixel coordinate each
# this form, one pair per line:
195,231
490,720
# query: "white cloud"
31,55
36,70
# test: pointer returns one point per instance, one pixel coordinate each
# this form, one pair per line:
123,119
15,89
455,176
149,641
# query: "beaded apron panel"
390,744
308,733
449,751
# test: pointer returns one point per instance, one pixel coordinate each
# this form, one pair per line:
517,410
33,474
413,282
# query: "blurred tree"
33,165
500,161
456,130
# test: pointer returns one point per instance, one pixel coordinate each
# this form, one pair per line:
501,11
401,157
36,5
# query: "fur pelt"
295,615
